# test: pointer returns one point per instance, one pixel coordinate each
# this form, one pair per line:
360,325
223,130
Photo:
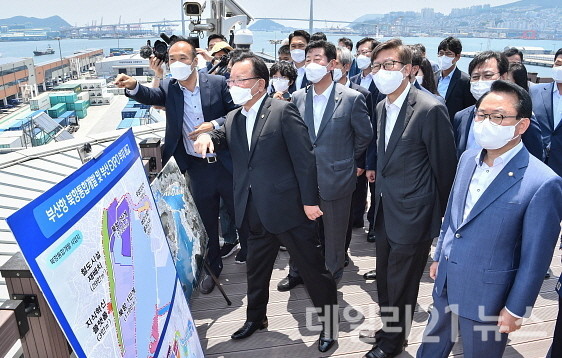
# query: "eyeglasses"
278,78
446,53
365,52
485,76
239,81
495,118
387,65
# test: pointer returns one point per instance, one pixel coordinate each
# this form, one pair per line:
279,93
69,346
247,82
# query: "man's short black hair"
374,43
284,50
519,74
215,36
300,33
503,63
524,106
511,51
558,53
347,42
329,48
188,40
318,36
259,67
451,43
285,68
417,55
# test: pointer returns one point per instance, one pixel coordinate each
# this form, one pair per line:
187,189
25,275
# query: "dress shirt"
319,102
366,80
347,82
443,84
300,76
556,105
484,176
251,118
392,111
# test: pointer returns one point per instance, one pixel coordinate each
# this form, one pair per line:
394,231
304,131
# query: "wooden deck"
288,336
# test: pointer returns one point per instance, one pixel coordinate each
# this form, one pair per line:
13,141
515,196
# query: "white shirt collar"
347,82
555,88
327,92
400,100
369,75
256,107
502,159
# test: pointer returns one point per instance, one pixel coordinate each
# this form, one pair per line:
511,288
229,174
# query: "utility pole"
182,19
311,20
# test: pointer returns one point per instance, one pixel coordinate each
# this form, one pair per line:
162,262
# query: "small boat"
48,51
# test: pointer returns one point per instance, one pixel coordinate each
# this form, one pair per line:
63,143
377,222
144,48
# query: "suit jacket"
371,104
416,171
279,167
541,96
377,96
216,102
463,120
500,253
458,95
343,136
293,86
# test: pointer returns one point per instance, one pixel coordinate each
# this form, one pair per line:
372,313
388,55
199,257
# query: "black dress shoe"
249,328
324,344
288,283
376,352
370,275
207,284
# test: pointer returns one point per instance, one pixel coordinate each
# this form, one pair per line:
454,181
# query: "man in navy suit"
298,40
452,83
547,107
195,102
499,232
365,48
485,68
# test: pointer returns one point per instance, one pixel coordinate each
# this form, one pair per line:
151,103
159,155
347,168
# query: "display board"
97,249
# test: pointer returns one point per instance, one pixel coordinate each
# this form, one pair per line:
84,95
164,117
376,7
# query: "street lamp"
275,42
60,54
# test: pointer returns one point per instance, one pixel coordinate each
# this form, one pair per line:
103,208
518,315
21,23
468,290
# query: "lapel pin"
262,116
510,174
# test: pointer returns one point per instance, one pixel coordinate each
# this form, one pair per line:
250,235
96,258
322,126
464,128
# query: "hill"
53,22
268,25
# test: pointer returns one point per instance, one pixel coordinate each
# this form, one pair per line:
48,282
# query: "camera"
194,8
159,50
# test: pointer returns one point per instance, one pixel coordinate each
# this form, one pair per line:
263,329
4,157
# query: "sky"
131,11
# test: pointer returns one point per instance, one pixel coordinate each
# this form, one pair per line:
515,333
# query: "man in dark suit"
298,40
340,129
547,107
359,198
365,48
452,83
195,102
276,193
485,68
498,236
415,169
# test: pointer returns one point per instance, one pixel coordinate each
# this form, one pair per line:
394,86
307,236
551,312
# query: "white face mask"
363,62
479,88
280,84
388,81
557,74
298,55
445,62
315,72
241,96
180,71
337,74
491,136
419,79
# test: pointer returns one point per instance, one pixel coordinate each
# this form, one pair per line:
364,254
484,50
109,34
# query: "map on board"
98,251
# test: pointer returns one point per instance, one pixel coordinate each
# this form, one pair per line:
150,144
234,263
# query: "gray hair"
344,55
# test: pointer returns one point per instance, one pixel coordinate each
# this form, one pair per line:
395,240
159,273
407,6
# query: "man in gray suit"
340,130
416,164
